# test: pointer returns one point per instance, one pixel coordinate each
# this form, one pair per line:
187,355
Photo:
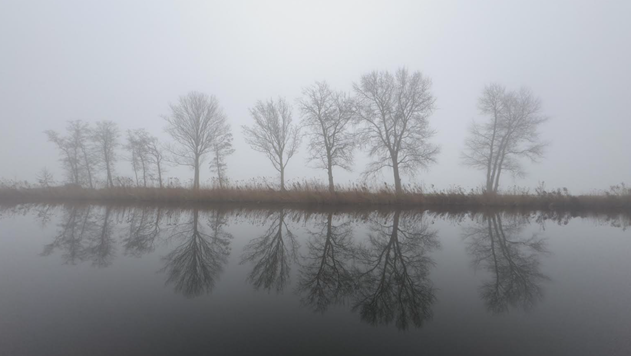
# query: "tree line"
386,115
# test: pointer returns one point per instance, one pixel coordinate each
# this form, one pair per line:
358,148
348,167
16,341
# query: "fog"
126,61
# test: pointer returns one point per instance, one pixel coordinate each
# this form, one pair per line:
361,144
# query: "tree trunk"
107,167
397,178
74,166
489,184
219,169
159,173
196,180
497,180
499,169
109,175
489,179
497,165
331,185
144,172
87,166
282,178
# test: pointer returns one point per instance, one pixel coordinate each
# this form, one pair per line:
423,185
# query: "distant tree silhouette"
222,148
106,138
138,143
510,134
194,124
392,112
45,179
328,116
77,152
157,156
273,134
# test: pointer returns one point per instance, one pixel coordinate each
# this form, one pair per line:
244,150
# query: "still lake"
165,280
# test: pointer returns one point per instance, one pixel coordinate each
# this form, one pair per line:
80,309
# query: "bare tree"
69,156
193,124
45,179
106,137
273,134
222,147
156,154
133,156
393,112
138,147
78,155
327,114
510,133
81,133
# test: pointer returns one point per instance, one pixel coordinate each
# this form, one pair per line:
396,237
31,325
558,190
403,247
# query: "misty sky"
125,61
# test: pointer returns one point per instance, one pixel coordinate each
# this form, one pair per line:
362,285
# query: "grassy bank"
358,196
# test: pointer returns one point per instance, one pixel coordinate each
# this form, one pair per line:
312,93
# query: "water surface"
161,280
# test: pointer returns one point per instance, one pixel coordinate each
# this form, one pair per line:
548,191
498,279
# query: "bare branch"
392,113
273,134
193,124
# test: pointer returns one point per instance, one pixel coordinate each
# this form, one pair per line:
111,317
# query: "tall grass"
313,193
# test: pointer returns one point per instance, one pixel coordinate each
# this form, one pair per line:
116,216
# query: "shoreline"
347,198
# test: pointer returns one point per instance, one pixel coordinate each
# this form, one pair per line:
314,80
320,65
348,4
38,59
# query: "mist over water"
127,62
251,177
103,279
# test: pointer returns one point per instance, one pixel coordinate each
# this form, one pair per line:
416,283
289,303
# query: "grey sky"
125,61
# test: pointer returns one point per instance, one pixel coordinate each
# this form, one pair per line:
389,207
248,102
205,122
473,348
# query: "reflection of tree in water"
45,213
325,274
75,222
271,254
85,233
512,260
194,265
102,245
144,228
393,276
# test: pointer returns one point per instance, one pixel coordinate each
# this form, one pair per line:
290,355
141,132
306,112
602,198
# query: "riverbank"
311,196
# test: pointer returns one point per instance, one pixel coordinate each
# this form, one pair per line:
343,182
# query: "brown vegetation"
617,197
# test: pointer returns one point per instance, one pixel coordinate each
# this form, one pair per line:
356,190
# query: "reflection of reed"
271,254
513,261
618,218
194,266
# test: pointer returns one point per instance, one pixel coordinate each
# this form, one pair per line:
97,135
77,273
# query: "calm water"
112,280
